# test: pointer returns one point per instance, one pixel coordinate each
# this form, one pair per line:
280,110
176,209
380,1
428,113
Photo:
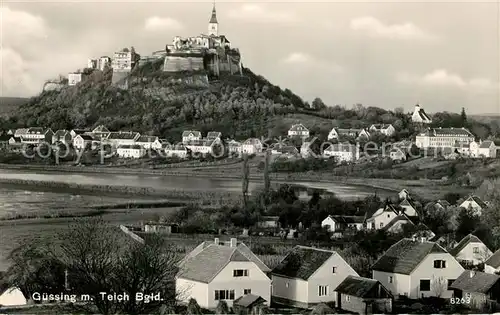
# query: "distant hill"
9,105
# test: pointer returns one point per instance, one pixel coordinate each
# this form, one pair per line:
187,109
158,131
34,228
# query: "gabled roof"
214,134
195,133
100,128
146,139
123,135
201,143
298,127
475,198
302,262
252,141
60,133
248,300
360,287
463,243
37,130
398,218
348,219
475,281
404,256
130,146
494,260
486,144
79,131
440,132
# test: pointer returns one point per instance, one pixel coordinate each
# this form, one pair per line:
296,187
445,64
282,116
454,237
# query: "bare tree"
245,179
439,286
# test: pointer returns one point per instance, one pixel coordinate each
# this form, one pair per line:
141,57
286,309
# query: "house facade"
471,250
397,154
133,151
343,222
146,141
251,146
235,272
190,135
408,208
179,151
63,136
443,137
343,152
84,141
419,116
385,129
364,296
37,135
308,276
333,134
121,138
74,78
481,291
381,218
298,130
474,203
416,269
203,146
487,149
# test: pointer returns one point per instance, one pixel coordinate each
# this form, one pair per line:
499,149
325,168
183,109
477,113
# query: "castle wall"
120,79
183,63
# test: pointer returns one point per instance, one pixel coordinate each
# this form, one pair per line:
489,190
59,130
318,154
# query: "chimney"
233,242
216,241
472,273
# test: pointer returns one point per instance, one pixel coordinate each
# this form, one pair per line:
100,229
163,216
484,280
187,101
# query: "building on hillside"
298,130
251,146
492,264
481,290
100,129
382,217
216,271
179,151
333,134
363,296
76,132
340,223
15,143
471,250
203,146
284,151
487,149
62,136
408,208
308,276
269,222
20,132
75,77
396,224
213,135
146,141
416,269
404,194
443,137
213,24
385,129
124,60
84,141
420,116
357,134
159,144
160,228
234,147
133,151
474,203
37,135
190,135
122,138
343,152
12,296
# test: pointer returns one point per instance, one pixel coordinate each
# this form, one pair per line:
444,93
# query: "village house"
442,204
84,141
146,141
269,222
160,228
76,132
217,271
75,77
100,129
398,154
382,217
37,135
481,290
420,116
363,296
11,296
190,135
471,250
62,136
179,150
342,152
20,132
203,146
298,130
474,203
423,232
159,144
385,129
212,135
416,269
134,151
121,138
443,137
285,151
15,143
492,264
487,149
396,224
245,304
251,146
124,60
333,135
404,194
308,276
234,147
408,208
341,223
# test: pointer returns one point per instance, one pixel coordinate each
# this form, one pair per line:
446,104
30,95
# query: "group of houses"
307,276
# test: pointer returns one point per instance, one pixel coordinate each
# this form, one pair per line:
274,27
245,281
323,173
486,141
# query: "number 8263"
464,300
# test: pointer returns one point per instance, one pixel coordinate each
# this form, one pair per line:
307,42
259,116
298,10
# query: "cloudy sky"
444,55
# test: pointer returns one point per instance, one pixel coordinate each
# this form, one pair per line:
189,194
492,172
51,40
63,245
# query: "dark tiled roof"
423,114
79,131
486,144
122,135
36,130
348,219
397,219
193,132
463,243
298,127
214,134
201,142
360,287
146,139
204,266
248,300
439,132
61,133
494,260
404,256
101,128
475,281
130,146
481,203
86,137
302,262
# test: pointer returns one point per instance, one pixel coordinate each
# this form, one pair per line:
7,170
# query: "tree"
267,180
222,308
245,180
439,286
463,116
318,104
193,308
99,259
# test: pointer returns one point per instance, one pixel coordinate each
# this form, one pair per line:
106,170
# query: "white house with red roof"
219,271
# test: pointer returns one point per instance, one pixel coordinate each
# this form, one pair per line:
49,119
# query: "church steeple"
213,25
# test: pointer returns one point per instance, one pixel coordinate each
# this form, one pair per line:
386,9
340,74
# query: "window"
347,298
439,264
475,250
334,269
390,279
224,295
388,215
240,273
425,285
287,284
247,291
322,290
450,281
381,224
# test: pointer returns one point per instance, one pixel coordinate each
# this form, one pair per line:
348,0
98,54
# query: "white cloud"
442,78
20,27
156,23
375,28
259,14
303,59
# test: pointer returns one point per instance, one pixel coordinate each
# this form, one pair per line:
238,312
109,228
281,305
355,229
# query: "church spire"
213,25
213,19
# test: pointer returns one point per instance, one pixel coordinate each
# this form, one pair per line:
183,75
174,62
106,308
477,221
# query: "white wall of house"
182,154
333,134
190,137
329,223
187,289
425,270
325,276
409,210
398,284
130,153
474,252
378,221
471,204
290,288
79,143
257,281
12,297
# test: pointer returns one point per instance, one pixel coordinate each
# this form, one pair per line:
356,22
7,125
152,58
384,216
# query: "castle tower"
213,25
